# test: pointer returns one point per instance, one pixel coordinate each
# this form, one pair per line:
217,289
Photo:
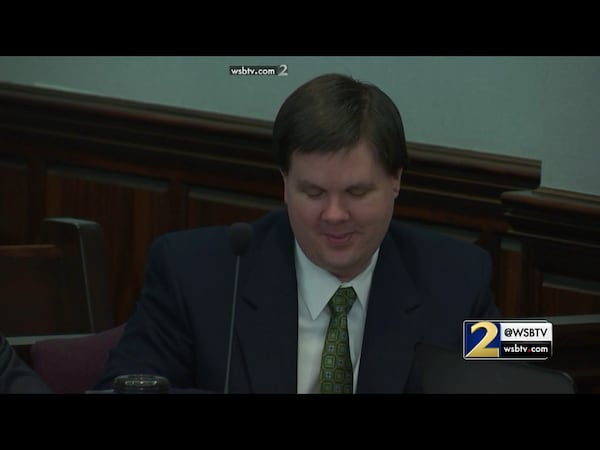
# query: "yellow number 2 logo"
481,350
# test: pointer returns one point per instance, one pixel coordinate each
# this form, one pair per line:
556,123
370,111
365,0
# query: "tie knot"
342,301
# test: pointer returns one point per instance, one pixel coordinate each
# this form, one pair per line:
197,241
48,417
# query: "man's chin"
341,270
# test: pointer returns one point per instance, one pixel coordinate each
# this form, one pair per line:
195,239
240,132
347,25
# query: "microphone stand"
232,323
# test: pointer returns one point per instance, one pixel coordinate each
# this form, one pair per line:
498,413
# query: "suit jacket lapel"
393,325
267,314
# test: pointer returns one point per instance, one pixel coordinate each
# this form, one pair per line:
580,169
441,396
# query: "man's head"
341,149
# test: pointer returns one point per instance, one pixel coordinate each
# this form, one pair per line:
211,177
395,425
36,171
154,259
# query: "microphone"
240,238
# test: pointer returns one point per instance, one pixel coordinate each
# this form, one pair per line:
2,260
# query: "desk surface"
29,340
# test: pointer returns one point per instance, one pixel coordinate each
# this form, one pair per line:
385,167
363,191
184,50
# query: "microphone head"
240,237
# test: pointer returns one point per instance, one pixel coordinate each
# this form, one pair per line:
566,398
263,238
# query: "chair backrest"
72,365
57,286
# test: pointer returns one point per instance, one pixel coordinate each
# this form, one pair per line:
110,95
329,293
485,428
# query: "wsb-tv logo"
507,339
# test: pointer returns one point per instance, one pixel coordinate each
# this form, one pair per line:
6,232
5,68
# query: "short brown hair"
333,112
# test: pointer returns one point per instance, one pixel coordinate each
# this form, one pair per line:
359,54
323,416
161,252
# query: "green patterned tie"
336,364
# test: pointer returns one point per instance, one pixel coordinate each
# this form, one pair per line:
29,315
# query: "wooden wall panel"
14,218
560,237
556,298
509,285
213,207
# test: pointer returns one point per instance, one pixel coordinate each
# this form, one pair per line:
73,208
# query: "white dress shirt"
315,287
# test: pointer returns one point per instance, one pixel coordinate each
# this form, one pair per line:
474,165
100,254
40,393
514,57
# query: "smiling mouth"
338,239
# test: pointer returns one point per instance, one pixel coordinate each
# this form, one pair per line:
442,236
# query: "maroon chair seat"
72,365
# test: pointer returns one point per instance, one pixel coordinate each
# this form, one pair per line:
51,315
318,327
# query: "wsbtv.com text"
280,71
526,349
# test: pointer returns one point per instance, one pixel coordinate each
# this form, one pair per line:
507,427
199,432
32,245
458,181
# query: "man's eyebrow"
307,184
367,185
362,185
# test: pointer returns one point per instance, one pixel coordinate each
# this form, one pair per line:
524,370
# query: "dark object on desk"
71,365
443,371
58,285
140,384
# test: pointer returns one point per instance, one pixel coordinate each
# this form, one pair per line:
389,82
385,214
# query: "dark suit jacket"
424,285
16,377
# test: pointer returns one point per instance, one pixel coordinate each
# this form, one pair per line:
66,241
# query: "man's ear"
284,177
397,181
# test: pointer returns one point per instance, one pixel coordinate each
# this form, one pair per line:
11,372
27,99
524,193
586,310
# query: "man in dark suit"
16,377
341,149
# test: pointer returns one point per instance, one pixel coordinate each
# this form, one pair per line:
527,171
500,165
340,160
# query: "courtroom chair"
58,285
72,365
444,371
